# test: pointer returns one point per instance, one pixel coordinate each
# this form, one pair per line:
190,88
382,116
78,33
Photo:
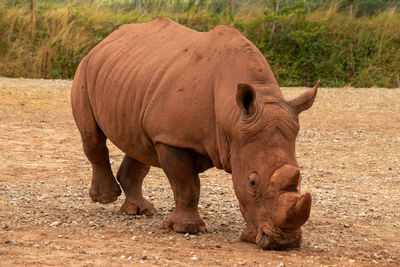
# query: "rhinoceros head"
265,171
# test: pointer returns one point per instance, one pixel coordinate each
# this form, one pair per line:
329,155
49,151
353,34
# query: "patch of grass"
49,39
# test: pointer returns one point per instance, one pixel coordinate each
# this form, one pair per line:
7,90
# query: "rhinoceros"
187,101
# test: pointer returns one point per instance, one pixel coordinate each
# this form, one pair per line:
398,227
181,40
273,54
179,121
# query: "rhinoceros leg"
130,175
179,166
104,187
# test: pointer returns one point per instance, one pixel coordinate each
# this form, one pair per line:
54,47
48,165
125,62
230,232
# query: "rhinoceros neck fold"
228,113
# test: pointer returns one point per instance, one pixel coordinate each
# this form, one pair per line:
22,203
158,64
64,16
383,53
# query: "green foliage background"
302,40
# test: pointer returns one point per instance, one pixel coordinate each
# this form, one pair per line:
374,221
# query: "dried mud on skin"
348,149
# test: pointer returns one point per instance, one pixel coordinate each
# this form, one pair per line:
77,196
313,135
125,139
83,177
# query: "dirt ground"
348,149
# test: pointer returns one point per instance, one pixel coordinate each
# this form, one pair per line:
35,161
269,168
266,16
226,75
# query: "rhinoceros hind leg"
179,166
104,188
130,175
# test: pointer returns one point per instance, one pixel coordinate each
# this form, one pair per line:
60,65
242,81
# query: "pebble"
194,258
55,223
144,255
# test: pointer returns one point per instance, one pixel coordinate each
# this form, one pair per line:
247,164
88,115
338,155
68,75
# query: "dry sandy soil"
348,149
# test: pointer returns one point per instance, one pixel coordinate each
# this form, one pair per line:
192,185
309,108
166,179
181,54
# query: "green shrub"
301,46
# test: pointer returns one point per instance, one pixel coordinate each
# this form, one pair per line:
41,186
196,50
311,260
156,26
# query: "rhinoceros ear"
305,100
245,98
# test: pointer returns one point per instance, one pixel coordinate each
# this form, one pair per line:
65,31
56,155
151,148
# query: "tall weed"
50,39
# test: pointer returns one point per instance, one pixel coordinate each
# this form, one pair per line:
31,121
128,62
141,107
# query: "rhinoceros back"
158,82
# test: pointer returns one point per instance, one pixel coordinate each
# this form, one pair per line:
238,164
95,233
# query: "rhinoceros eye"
254,185
252,179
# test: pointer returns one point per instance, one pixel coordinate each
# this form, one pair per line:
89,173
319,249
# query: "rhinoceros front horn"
294,212
302,209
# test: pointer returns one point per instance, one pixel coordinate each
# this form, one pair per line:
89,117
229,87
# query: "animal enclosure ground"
348,150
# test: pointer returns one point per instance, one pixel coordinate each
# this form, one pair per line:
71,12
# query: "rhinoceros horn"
286,178
302,209
294,212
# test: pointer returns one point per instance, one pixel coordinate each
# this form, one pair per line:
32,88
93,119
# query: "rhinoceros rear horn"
245,98
286,178
305,100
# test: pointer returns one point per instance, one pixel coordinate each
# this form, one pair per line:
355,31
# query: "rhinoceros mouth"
273,238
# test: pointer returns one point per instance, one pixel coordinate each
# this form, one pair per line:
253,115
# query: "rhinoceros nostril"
262,240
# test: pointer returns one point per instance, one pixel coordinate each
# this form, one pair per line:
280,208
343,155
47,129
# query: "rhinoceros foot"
104,194
184,222
138,207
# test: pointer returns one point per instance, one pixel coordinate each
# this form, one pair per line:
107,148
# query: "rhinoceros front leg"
130,175
179,166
